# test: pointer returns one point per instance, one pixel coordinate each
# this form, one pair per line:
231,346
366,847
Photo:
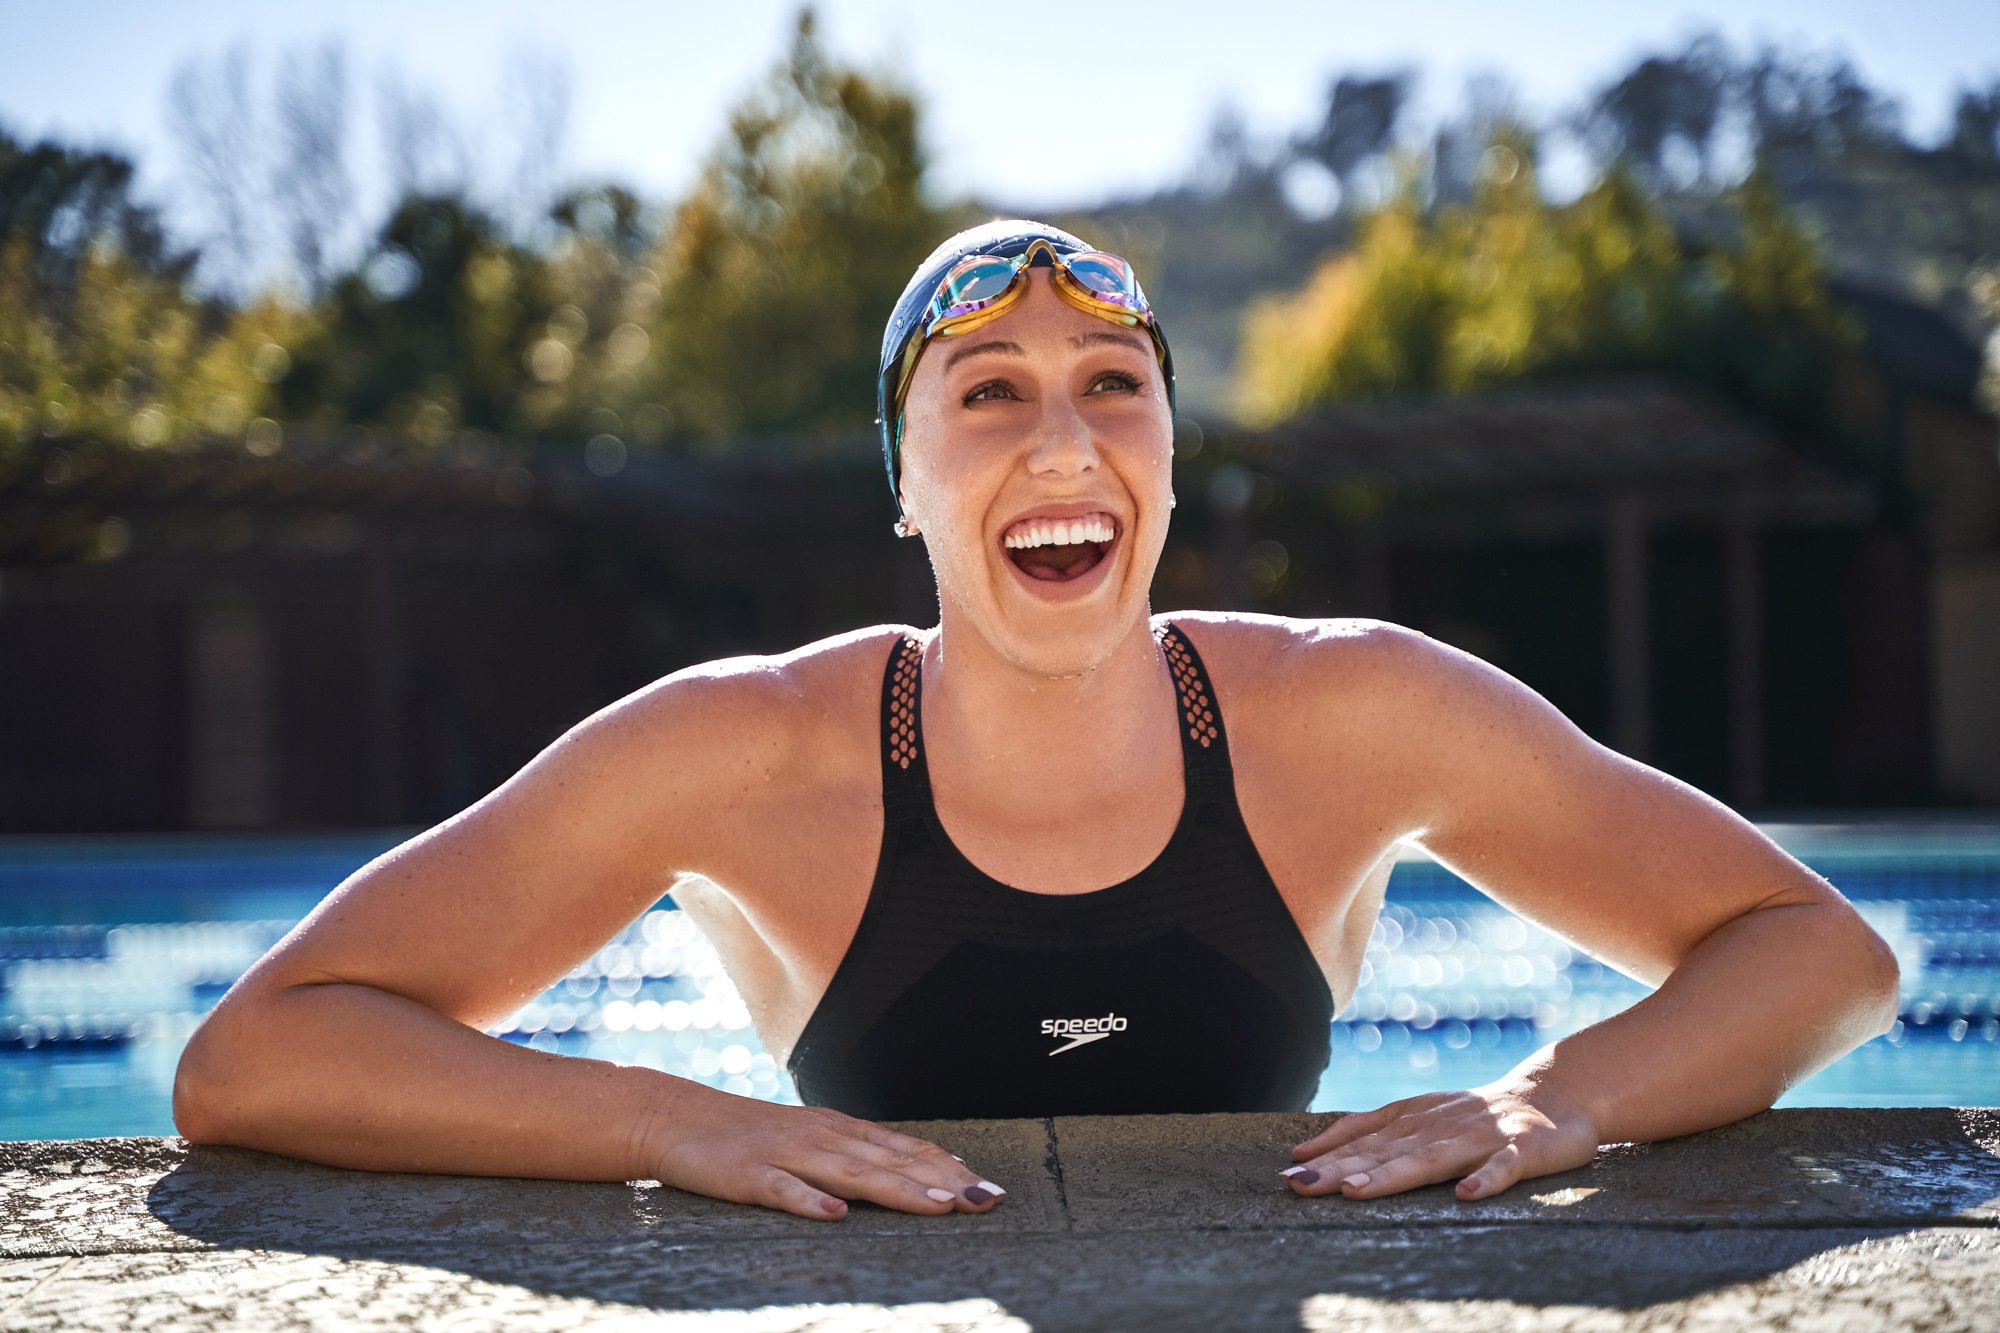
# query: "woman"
1018,865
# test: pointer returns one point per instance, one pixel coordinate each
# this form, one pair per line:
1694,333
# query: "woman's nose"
1062,445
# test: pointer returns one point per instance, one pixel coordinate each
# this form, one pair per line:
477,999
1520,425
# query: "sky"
1050,106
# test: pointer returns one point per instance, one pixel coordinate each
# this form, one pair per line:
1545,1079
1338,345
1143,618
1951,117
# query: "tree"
125,357
1359,124
775,274
209,116
61,202
1799,111
430,334
1975,129
98,336
1491,108
1661,102
309,179
1508,287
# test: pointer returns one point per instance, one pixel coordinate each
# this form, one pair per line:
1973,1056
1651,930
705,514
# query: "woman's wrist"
661,1106
1540,1085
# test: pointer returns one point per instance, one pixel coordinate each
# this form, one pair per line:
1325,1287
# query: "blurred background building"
1677,402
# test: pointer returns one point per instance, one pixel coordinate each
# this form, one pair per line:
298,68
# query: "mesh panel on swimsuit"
1186,988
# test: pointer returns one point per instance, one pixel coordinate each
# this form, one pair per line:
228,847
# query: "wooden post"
385,677
1368,562
1630,649
231,712
1744,589
1229,491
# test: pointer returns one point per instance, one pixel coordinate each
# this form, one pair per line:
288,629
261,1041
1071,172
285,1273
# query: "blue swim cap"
1006,237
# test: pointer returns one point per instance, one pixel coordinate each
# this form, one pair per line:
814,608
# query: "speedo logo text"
1081,1031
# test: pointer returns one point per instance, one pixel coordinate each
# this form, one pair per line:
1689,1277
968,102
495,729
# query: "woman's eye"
991,391
1116,380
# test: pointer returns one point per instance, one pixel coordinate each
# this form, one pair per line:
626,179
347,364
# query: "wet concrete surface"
1797,1219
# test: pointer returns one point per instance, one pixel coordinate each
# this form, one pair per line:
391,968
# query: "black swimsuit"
1185,988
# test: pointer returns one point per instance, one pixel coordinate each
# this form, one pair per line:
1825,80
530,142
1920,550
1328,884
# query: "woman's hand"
806,1160
1491,1136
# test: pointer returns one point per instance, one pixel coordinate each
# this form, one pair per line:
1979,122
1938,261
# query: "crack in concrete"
36,1286
1052,1162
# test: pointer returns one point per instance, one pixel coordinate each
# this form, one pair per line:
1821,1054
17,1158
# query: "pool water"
111,950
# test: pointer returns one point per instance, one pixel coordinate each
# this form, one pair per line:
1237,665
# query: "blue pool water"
112,949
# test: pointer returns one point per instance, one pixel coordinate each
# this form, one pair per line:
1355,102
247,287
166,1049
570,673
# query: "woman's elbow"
211,1079
196,1077
1886,980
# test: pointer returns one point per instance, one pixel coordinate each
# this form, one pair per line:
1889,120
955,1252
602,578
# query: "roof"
1914,345
1605,430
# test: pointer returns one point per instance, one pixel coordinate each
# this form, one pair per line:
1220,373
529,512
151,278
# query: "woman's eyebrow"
1131,340
997,345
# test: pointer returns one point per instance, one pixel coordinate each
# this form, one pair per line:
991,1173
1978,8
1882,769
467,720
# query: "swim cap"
1005,237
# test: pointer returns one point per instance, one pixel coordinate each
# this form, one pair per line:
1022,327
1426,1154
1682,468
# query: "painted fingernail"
1357,1180
942,1196
1304,1175
983,1191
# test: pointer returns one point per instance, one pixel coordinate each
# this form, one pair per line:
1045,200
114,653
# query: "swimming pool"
111,950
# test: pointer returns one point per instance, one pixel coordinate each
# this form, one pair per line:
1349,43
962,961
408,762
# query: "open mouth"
1059,550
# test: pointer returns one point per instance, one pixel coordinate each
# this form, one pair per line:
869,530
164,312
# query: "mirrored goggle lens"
977,280
1103,275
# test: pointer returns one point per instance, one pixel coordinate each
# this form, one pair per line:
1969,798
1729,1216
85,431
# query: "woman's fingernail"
983,1191
942,1196
1304,1175
1357,1180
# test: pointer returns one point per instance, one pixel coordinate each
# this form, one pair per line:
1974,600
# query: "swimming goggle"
978,289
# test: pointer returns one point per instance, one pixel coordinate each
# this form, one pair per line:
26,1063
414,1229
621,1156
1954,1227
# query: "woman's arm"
356,1041
1764,972
356,1076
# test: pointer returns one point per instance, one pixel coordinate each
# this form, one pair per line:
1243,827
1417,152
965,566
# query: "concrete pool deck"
1794,1218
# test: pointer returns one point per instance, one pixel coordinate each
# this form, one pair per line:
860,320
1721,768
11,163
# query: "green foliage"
428,336
1986,291
776,273
1509,287
756,312
97,335
753,307
66,203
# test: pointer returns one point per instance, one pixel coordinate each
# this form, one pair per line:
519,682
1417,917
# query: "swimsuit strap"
1204,742
905,778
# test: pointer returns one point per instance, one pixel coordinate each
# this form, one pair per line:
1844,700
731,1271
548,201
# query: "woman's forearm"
353,1076
1757,1006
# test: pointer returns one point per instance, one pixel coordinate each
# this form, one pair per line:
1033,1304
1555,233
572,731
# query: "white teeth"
1059,532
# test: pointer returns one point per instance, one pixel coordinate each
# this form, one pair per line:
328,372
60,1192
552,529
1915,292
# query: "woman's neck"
992,716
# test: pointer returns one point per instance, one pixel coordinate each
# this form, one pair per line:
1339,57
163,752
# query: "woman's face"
1037,462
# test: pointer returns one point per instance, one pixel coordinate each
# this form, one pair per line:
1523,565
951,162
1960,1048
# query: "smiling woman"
1020,862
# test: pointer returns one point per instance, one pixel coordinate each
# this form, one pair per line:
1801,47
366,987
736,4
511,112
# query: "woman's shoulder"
773,692
1293,652
760,713
1371,683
